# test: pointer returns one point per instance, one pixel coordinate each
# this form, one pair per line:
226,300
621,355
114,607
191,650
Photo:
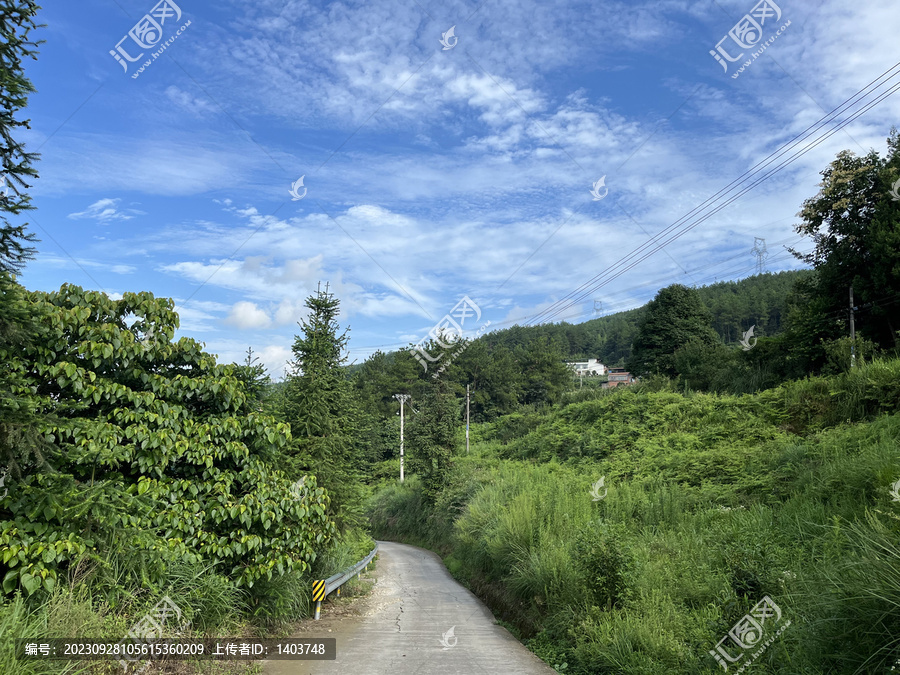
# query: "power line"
792,240
640,254
721,206
630,264
737,271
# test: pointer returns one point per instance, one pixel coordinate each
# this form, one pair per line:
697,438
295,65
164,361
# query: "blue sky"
431,173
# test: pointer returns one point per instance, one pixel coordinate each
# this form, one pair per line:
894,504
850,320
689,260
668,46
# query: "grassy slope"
106,599
713,502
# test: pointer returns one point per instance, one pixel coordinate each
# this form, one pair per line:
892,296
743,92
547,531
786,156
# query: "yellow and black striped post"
318,595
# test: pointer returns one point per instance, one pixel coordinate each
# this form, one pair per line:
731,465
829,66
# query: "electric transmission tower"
759,250
598,307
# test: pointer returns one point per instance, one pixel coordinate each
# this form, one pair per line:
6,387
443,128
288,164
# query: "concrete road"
403,627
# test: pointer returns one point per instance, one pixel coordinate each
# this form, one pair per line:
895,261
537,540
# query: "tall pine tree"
21,445
320,404
17,20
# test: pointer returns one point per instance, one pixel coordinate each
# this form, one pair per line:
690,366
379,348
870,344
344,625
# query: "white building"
587,368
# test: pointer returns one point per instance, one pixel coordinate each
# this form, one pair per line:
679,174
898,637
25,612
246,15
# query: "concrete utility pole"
467,419
403,398
852,331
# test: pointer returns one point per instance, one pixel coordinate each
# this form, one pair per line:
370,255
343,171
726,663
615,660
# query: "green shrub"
713,502
859,611
211,601
605,563
284,598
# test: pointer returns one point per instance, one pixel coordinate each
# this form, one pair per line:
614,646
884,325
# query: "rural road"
398,628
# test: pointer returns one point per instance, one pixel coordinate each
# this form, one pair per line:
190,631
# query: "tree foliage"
21,440
153,449
854,223
320,405
431,436
255,378
674,317
17,20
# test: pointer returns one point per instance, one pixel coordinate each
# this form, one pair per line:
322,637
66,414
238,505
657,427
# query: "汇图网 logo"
446,637
745,341
295,189
747,34
448,39
146,34
596,487
748,634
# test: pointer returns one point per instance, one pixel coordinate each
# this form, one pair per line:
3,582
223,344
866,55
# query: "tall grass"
713,502
19,621
103,599
276,603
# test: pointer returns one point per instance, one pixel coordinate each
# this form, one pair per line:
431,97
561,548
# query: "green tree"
17,20
22,443
255,378
431,436
544,375
674,317
153,452
885,238
855,226
320,405
493,379
699,365
383,375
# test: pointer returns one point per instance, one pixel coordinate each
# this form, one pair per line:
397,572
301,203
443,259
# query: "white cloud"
290,311
165,161
246,315
106,211
196,106
276,359
451,186
198,317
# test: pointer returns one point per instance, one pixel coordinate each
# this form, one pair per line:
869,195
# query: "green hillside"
761,300
709,504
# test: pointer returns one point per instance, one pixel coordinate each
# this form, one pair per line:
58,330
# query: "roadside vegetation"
134,467
616,531
632,530
711,503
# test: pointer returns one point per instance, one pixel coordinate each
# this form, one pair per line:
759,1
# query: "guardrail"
323,587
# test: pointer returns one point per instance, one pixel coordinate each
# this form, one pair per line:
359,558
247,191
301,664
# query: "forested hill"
759,301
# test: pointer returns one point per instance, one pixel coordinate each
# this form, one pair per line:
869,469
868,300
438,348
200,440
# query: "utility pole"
467,419
402,398
852,331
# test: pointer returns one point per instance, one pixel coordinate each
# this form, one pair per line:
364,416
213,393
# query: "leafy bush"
154,451
605,563
713,502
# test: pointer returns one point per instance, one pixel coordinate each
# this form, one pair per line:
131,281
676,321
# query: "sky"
507,161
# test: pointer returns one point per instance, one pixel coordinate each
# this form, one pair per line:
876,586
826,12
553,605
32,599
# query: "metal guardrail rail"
322,588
